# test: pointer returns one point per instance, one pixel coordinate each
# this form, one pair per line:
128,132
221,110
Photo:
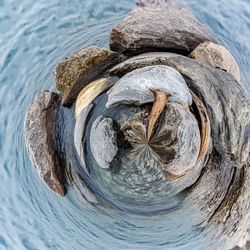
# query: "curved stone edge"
80,127
216,56
75,72
135,86
233,215
84,193
229,113
224,98
155,25
40,138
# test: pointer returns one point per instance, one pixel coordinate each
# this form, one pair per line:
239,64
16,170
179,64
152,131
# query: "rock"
246,247
40,137
135,87
103,141
74,73
79,131
162,25
225,100
89,93
216,56
175,143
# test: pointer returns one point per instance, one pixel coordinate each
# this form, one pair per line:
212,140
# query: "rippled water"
34,36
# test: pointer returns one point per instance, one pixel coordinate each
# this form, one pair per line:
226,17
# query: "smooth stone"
79,132
225,99
103,143
216,56
75,72
135,87
188,137
162,25
89,93
40,137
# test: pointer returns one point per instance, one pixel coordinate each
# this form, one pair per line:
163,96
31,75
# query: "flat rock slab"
41,140
217,56
75,72
160,25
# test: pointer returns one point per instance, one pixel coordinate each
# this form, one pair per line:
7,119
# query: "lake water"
34,36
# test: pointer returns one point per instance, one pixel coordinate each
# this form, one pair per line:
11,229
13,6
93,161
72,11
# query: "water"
34,36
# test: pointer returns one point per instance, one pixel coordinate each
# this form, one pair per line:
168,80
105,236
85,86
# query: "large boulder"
216,56
75,72
40,139
158,25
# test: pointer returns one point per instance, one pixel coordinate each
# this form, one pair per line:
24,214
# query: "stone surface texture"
222,191
40,136
135,86
89,93
75,72
158,25
226,101
216,56
103,141
79,131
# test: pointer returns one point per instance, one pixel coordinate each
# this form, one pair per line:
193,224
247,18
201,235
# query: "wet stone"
40,137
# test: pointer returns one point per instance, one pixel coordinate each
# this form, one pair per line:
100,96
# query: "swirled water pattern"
35,35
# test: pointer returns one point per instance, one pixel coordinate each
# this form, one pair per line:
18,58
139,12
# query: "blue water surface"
34,36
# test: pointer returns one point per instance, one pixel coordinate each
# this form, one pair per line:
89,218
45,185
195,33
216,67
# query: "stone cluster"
156,38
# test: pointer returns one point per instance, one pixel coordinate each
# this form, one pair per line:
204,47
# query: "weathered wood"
158,106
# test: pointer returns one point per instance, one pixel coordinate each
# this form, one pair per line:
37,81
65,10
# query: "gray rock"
74,73
226,101
135,86
222,190
40,140
158,25
103,141
216,56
